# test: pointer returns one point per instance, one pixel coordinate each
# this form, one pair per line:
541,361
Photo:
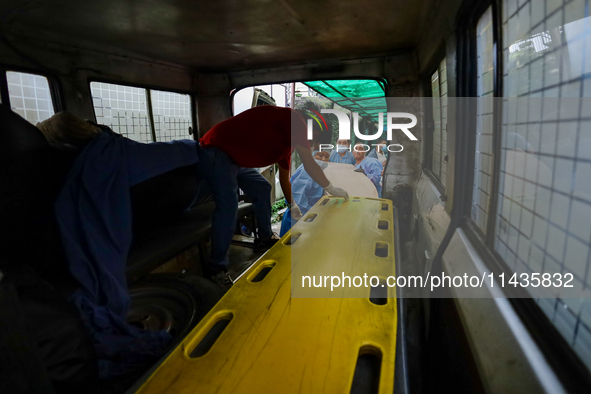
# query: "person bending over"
229,155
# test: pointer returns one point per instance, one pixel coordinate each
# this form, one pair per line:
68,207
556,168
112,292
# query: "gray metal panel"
507,357
431,220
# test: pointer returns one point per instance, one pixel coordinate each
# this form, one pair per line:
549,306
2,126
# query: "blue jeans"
224,177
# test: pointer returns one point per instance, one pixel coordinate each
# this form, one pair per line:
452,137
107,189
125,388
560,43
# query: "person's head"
321,155
343,146
66,128
359,151
321,129
381,142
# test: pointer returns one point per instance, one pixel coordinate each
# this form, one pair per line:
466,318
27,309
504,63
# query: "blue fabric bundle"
94,217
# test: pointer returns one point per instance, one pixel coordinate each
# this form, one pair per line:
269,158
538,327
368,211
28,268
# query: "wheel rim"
156,308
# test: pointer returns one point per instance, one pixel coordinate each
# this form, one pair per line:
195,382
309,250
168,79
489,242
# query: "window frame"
192,96
466,137
569,368
429,121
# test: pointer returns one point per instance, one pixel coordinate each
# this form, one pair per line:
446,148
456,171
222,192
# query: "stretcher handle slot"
366,379
383,224
379,294
211,337
385,206
263,272
325,201
381,249
310,217
293,238
261,275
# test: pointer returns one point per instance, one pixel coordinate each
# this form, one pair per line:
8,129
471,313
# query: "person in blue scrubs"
379,152
305,192
371,167
342,153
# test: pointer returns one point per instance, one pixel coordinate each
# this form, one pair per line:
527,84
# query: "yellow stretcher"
259,339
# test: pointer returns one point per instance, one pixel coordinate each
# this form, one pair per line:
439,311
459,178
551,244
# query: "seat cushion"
17,136
28,231
163,197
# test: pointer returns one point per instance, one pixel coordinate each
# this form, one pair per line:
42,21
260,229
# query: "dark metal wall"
225,35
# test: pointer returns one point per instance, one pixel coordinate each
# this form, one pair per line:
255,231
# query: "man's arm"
316,173
311,167
296,214
285,184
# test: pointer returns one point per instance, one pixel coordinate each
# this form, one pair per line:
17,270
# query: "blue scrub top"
373,170
305,193
374,154
304,190
347,158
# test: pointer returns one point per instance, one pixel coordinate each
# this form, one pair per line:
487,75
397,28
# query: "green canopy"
368,95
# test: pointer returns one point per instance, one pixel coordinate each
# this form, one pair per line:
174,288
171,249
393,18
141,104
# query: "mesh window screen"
123,109
30,96
543,219
172,115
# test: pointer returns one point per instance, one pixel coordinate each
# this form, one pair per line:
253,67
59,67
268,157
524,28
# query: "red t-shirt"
259,137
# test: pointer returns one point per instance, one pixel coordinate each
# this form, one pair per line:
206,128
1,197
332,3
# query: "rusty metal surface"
226,34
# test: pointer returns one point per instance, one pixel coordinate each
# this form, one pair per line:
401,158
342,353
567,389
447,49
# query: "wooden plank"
355,183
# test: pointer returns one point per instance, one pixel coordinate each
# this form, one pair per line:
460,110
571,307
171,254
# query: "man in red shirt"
229,154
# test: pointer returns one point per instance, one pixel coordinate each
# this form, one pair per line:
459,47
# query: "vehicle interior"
165,70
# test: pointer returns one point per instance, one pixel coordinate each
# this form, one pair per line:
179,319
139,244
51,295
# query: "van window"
126,110
172,115
544,212
439,95
243,99
483,161
30,96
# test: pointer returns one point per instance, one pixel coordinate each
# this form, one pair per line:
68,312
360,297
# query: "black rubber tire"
172,292
198,294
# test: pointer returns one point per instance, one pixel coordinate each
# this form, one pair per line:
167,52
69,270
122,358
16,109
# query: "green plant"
275,208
